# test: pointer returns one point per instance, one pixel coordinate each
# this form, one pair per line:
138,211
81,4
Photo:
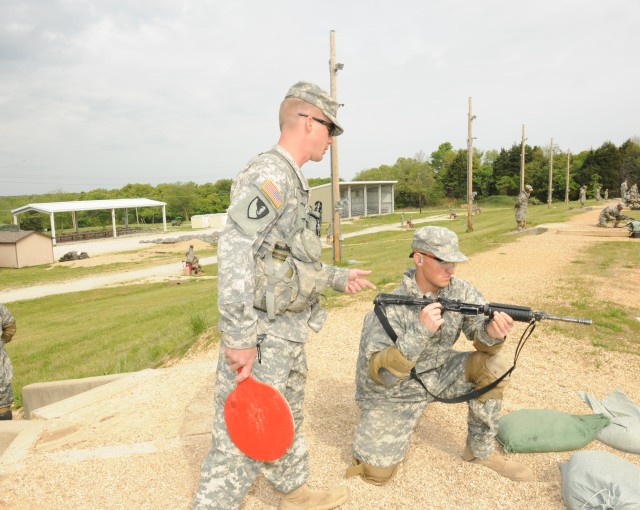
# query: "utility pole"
522,160
470,171
566,188
550,176
335,181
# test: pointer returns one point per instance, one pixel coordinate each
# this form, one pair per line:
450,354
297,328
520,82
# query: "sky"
103,93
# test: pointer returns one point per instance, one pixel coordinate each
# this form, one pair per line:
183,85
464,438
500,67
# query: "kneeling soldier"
407,342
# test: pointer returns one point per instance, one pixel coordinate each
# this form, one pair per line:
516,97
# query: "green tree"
630,162
439,157
453,177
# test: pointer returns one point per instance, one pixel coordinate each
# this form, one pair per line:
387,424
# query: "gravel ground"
552,369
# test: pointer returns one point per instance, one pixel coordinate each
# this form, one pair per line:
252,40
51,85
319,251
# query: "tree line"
430,181
422,181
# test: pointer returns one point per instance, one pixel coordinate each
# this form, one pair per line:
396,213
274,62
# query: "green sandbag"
546,430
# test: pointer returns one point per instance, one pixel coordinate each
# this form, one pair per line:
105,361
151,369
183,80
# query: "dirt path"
164,422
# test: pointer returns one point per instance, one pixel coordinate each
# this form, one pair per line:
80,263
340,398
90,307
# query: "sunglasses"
330,125
443,263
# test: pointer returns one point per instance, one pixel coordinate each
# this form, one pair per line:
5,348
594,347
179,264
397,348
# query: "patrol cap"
528,187
313,94
440,241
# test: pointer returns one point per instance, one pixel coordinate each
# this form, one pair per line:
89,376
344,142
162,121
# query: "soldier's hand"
356,281
500,325
241,360
431,317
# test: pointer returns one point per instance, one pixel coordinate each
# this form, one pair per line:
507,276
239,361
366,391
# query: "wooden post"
549,196
522,160
470,171
566,191
335,180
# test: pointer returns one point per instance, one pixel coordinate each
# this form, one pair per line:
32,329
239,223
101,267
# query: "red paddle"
259,420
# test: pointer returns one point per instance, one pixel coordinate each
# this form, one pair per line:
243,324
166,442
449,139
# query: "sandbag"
597,480
547,430
623,433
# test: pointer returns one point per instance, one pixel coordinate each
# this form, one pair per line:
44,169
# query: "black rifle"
517,313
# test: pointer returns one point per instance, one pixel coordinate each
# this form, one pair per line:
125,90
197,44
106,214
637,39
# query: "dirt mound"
145,252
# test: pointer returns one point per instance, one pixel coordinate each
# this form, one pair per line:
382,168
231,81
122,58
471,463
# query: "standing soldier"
606,194
8,324
623,190
521,205
264,314
598,196
583,194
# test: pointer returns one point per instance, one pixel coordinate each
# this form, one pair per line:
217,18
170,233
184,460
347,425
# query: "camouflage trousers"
385,428
6,378
227,473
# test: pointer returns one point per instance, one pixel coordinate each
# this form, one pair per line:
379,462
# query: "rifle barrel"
547,316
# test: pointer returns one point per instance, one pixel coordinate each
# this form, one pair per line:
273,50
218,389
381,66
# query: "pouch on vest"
276,284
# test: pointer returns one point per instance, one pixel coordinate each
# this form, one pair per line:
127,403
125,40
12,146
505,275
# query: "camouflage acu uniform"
611,213
521,205
268,202
390,413
583,195
8,324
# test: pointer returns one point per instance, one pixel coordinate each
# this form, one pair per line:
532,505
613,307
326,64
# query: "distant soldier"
612,213
521,205
606,194
401,220
623,190
583,194
633,193
330,233
193,259
598,196
7,329
452,214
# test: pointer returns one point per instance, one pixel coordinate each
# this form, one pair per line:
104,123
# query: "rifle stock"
517,313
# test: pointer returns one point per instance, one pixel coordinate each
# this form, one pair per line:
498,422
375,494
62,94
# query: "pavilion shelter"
51,208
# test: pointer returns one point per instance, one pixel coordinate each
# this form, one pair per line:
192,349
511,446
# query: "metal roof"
12,237
88,205
355,183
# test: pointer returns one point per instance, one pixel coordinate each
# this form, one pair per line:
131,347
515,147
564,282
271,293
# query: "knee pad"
483,369
371,474
389,365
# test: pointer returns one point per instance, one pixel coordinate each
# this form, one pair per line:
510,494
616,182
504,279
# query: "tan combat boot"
303,498
508,468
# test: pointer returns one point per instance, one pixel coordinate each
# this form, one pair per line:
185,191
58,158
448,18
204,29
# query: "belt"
5,409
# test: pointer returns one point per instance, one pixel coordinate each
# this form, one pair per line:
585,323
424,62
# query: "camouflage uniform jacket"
267,200
610,213
429,350
521,205
7,328
6,319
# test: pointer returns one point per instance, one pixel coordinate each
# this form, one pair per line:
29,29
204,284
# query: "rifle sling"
465,397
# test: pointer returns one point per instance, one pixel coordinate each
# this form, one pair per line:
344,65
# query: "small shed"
24,248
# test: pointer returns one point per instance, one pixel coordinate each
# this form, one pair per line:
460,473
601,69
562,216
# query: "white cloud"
99,94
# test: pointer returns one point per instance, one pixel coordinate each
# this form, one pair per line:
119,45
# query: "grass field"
134,327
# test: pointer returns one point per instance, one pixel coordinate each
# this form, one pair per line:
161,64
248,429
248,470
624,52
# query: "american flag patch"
273,193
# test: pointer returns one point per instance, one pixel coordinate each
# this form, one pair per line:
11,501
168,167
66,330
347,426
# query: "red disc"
259,420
